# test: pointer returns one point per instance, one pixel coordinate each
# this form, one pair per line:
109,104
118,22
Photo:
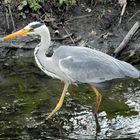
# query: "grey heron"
75,64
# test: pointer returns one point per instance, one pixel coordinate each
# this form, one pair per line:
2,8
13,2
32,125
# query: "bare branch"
127,38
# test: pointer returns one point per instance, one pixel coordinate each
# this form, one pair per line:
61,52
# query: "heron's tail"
130,70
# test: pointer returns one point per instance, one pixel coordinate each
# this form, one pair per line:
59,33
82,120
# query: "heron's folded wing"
88,69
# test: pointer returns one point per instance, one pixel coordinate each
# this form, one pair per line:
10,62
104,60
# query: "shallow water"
27,95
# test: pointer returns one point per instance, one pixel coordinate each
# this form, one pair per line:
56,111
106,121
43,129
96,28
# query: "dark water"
27,95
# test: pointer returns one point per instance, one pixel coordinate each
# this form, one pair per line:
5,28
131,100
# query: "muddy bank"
91,26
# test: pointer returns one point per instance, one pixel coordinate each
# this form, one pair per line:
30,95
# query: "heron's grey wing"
89,70
91,66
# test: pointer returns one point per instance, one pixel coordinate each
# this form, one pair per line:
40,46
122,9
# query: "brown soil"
93,26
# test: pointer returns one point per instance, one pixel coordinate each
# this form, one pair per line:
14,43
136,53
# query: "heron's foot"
58,106
60,103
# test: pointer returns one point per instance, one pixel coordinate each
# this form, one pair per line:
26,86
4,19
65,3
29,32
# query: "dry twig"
69,36
7,18
9,12
133,16
123,10
63,37
127,38
13,23
79,17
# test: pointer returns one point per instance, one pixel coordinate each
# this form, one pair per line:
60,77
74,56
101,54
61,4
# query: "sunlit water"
27,95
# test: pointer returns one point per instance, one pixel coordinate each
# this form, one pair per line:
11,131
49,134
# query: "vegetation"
35,5
67,1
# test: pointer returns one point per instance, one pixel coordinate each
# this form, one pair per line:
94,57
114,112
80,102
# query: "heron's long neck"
40,50
45,42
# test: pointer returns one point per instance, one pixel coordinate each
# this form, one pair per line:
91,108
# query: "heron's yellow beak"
21,32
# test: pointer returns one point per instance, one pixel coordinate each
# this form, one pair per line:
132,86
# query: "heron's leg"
59,104
98,98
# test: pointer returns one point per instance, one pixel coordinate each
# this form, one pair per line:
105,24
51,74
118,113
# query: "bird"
75,64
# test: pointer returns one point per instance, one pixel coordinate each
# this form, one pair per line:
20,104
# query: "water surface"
27,95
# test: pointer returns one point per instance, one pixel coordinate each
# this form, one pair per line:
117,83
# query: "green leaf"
61,1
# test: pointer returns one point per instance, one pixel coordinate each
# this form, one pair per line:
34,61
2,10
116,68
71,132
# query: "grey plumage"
75,64
91,66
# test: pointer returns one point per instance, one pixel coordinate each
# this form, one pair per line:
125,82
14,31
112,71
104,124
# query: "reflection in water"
27,95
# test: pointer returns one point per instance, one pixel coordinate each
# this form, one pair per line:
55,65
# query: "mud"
96,29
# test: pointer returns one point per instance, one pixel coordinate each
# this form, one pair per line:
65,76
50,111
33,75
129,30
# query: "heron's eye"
31,30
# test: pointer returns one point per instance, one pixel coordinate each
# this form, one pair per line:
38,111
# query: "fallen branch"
127,38
16,47
122,13
133,16
77,39
131,55
63,37
128,55
7,18
9,13
79,17
68,34
26,45
13,23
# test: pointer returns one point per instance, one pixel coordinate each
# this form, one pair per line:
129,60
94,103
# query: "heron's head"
33,28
